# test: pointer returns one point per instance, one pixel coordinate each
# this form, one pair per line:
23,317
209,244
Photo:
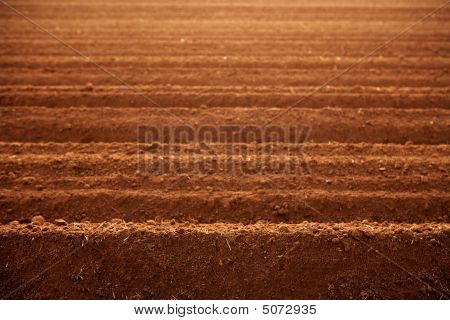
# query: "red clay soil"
80,218
106,124
225,261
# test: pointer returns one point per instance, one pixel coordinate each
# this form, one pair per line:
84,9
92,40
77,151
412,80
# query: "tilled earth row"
358,208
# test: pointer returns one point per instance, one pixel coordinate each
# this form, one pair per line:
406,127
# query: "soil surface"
367,218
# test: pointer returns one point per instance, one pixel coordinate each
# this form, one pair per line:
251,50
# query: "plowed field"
80,219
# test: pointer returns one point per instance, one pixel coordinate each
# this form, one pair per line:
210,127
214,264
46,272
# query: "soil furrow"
219,261
331,62
152,164
217,12
373,125
207,206
57,180
409,79
224,100
277,147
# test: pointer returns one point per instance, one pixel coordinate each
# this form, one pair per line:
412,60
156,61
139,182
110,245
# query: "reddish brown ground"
370,221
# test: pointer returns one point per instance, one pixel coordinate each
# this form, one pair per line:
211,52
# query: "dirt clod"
60,222
38,220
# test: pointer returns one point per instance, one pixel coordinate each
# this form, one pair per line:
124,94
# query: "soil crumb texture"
355,206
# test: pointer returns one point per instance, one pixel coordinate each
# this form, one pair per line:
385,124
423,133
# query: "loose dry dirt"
79,220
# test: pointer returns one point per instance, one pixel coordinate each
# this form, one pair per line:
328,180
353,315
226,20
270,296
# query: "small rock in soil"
38,220
88,87
357,234
61,222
